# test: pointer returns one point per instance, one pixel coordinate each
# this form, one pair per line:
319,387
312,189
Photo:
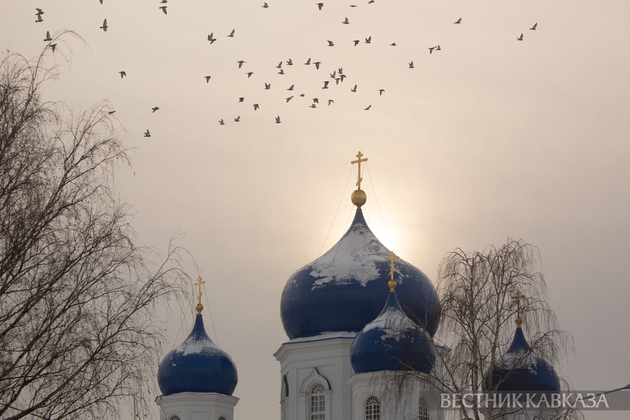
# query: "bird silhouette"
371,1
346,21
111,112
431,50
393,44
320,5
104,27
256,107
265,5
241,99
164,1
163,9
48,38
437,48
291,88
289,62
278,120
231,35
301,95
520,38
342,76
249,74
237,119
333,74
308,62
207,78
380,92
279,65
210,38
122,74
353,5
313,106
325,85
354,89
411,64
458,21
331,44
368,40
281,71
368,108
53,46
356,42
221,122
155,108
39,19
337,80
101,1
315,100
289,98
147,133
330,101
533,28
39,14
340,70
240,63
317,63
267,85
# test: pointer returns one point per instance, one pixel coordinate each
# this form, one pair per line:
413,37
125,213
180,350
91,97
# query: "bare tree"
478,309
77,297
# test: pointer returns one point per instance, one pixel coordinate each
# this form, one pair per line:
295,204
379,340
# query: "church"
354,317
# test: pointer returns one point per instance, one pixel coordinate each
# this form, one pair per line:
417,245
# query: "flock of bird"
338,76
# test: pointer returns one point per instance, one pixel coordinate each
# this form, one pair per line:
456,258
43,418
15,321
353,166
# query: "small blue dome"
520,369
197,365
392,342
346,288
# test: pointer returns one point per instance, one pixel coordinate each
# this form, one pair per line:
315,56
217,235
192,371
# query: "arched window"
318,402
423,409
173,418
221,418
372,408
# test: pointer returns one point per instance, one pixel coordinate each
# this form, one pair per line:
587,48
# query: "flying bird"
340,70
431,50
122,74
317,63
53,46
393,44
39,14
325,84
289,62
353,5
356,42
249,74
346,21
331,44
163,9
291,88
164,1
520,38
267,85
437,48
104,27
315,100
380,92
333,74
281,71
210,38
342,76
411,64
256,107
320,5
207,78
371,1
221,122
278,120
240,63
241,99
368,108
533,28
155,108
265,5
289,98
458,21
279,65
147,133
110,112
368,40
330,101
48,38
237,119
354,89
101,1
308,62
313,106
231,35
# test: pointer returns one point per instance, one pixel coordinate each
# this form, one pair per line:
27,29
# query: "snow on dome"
392,342
197,365
345,288
520,369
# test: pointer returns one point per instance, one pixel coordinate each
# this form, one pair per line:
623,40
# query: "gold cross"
199,305
392,282
359,160
518,298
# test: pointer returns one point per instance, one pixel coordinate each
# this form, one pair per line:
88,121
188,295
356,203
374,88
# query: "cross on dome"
518,298
392,282
199,306
359,160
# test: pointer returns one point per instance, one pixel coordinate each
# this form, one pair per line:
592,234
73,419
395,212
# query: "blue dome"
392,342
197,365
520,369
346,288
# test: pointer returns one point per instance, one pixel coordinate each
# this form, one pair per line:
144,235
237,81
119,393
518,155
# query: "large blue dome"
392,342
197,365
520,369
346,288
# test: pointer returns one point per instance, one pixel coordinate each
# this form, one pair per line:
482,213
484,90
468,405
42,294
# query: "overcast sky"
488,138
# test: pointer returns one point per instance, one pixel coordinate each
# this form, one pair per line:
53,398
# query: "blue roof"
520,369
197,365
392,342
346,288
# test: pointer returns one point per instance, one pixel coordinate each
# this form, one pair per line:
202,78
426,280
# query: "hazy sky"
485,139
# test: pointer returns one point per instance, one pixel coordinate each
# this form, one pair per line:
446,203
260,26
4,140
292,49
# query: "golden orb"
358,198
199,308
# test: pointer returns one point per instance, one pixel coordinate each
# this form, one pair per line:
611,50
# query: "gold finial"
358,196
518,297
392,283
199,306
